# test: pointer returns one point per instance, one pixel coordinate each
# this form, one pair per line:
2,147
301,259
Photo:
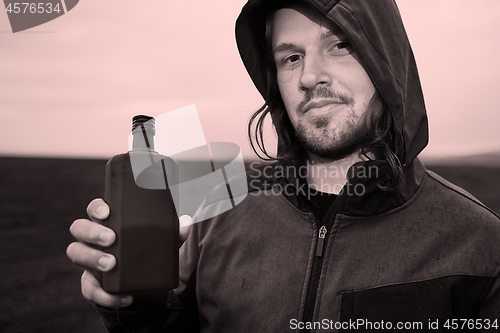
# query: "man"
379,244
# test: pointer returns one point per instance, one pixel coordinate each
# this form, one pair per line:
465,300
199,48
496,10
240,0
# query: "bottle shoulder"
142,156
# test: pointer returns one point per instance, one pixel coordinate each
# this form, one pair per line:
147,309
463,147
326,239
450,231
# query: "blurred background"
69,88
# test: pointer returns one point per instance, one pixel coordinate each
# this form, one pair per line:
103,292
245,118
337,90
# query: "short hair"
381,143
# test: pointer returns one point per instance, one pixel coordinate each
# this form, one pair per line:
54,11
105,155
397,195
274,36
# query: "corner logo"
26,15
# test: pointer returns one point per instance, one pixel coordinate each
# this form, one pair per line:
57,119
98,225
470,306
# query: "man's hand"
91,233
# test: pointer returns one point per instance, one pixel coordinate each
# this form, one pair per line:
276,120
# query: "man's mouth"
321,103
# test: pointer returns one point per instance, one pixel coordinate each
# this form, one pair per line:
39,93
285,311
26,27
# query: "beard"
333,143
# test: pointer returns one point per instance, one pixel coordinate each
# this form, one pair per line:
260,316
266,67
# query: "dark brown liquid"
146,226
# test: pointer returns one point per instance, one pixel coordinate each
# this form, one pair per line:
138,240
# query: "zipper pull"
321,241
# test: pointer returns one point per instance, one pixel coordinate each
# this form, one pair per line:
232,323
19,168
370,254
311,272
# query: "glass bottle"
143,216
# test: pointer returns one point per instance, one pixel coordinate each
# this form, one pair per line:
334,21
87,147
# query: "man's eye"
292,59
342,48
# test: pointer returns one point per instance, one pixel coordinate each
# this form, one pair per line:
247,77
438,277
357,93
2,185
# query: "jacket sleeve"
175,311
490,309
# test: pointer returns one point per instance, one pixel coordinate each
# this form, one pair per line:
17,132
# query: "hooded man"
384,245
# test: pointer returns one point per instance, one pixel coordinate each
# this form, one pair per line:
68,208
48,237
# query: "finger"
98,210
91,258
92,232
92,291
186,223
184,233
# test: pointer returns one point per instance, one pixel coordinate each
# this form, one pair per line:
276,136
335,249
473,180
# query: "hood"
376,32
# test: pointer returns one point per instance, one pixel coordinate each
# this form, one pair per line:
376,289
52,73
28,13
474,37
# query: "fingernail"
105,262
102,211
127,300
106,237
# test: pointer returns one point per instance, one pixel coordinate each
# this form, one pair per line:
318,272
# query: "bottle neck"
142,140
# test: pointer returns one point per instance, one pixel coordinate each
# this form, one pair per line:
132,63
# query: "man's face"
324,88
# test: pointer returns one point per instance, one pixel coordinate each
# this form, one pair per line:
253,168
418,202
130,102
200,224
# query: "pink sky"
71,86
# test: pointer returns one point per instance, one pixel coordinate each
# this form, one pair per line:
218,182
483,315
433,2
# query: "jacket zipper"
321,241
317,264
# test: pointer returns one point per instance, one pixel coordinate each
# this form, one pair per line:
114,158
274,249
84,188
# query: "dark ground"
39,199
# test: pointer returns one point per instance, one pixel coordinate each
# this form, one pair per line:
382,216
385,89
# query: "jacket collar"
361,195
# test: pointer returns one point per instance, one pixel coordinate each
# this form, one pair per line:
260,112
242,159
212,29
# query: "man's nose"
314,73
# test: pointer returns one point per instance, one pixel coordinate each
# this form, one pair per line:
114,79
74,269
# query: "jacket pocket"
413,306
